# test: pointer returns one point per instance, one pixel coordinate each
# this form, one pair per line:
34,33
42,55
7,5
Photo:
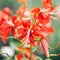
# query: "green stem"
30,52
55,54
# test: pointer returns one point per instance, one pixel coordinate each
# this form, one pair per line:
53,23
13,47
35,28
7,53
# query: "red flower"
25,27
35,12
47,4
44,18
21,10
5,23
7,11
26,31
33,26
19,57
4,30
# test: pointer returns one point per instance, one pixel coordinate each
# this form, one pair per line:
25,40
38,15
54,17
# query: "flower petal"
45,47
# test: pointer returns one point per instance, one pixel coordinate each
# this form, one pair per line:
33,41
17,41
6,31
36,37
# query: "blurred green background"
54,39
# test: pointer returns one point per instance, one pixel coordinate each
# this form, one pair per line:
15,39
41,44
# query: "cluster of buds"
32,27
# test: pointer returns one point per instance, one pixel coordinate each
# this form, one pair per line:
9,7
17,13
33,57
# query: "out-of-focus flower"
47,4
25,54
7,51
58,10
19,57
22,1
5,27
4,30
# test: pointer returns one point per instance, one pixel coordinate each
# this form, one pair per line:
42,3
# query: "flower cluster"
31,27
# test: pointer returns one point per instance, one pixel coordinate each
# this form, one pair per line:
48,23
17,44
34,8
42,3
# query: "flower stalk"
30,52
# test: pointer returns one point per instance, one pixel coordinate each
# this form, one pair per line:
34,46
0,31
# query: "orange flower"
21,10
22,1
47,4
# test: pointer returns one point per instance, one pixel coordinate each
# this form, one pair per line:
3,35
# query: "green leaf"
24,59
34,48
39,58
25,45
13,42
48,59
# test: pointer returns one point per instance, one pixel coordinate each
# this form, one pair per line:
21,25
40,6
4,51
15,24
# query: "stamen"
44,10
10,23
19,27
26,18
54,17
26,38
